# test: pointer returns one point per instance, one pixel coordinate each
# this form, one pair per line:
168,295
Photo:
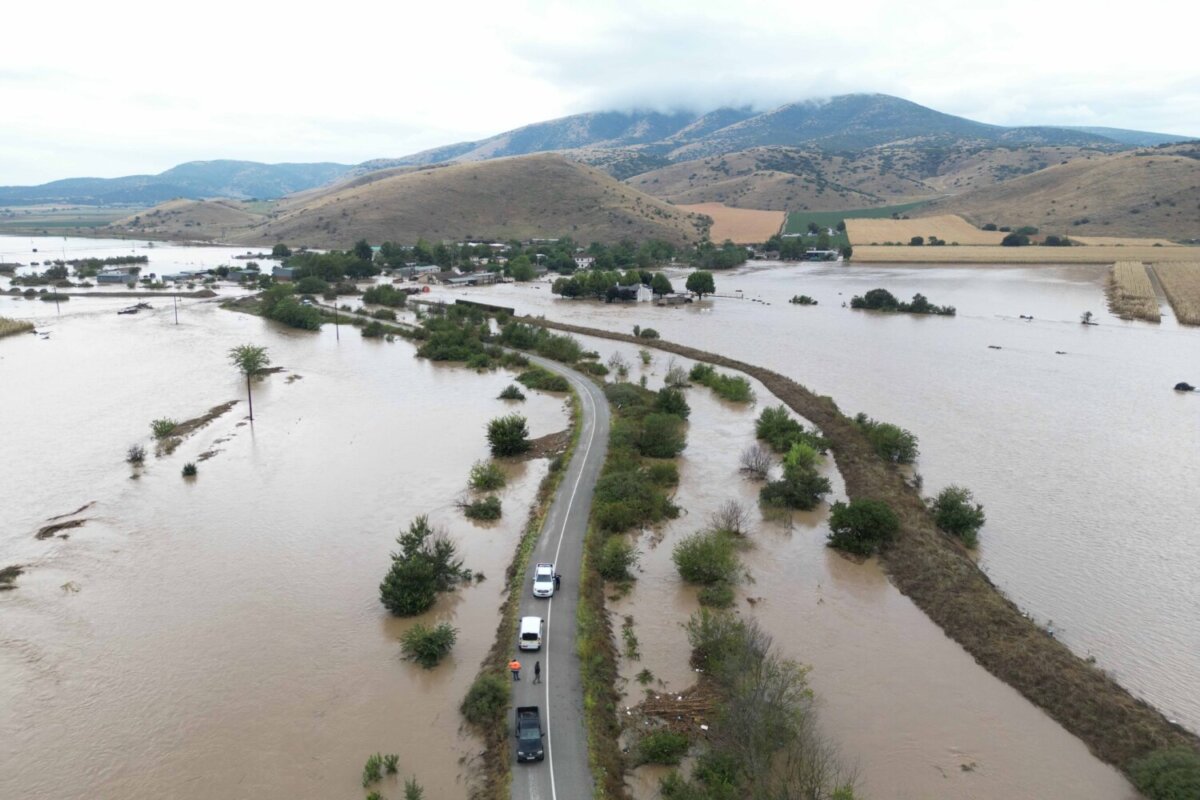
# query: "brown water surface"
222,636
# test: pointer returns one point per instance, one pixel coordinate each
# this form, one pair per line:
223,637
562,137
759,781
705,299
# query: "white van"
532,629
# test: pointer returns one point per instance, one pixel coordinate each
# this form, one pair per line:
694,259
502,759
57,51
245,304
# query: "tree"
917,241
660,285
1015,240
661,436
1086,318
521,269
362,251
281,250
250,361
956,512
508,435
862,526
847,251
701,283
427,563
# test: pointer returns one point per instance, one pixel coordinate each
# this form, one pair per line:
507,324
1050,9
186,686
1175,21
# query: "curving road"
565,773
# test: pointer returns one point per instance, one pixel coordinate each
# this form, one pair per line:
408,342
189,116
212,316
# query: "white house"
584,262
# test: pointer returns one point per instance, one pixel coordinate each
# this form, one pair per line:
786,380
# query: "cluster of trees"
768,744
632,490
606,285
801,486
558,255
883,300
279,303
794,248
336,265
708,256
426,564
385,294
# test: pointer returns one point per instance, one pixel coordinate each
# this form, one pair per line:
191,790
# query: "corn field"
1181,282
1131,294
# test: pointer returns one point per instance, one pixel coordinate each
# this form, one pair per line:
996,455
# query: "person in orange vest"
515,666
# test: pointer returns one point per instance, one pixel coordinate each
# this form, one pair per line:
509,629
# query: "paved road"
565,774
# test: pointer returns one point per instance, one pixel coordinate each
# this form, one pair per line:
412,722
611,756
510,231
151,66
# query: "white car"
543,580
532,631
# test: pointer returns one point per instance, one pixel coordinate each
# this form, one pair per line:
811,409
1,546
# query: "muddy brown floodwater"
904,703
1071,436
223,636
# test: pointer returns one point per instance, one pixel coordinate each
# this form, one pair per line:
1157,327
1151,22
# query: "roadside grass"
940,576
8,327
492,677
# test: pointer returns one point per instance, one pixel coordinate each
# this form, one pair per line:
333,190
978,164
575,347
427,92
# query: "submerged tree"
250,360
426,564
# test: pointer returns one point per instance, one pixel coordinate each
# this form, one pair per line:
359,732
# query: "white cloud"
132,86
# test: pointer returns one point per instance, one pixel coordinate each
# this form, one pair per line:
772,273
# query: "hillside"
533,196
193,180
191,220
1148,193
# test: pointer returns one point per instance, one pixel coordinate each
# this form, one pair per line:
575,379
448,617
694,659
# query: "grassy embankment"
8,327
1181,283
942,579
1130,292
497,758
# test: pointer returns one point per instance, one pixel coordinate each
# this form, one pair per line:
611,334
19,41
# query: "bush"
647,333
780,431
729,387
384,314
164,427
706,557
672,401
756,461
486,476
1168,774
385,294
508,435
544,379
414,790
427,645
511,392
716,595
189,470
391,763
956,513
661,436
426,564
373,770
800,489
592,368
136,454
487,509
891,442
311,285
1015,240
374,330
677,376
617,557
487,700
862,527
663,473
661,747
625,496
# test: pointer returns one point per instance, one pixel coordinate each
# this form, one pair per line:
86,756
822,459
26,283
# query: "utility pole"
176,299
337,331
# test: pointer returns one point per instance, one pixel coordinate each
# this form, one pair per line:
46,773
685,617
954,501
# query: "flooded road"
223,636
1087,462
904,703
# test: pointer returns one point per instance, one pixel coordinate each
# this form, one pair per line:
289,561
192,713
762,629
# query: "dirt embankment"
946,584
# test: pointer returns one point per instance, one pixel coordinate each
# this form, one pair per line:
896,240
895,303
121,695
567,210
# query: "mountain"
543,195
1134,138
193,180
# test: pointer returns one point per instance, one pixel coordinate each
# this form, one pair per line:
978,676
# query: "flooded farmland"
904,703
1071,436
223,636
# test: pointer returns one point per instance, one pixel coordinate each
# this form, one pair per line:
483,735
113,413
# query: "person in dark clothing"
557,581
537,672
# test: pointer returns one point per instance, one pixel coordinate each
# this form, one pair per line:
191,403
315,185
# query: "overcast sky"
124,87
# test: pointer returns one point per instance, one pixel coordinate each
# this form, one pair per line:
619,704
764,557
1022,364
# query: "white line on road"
585,397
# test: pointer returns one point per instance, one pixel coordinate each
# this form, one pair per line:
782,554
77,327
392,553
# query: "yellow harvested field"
11,326
1181,282
1117,241
949,227
740,225
1131,295
1022,255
